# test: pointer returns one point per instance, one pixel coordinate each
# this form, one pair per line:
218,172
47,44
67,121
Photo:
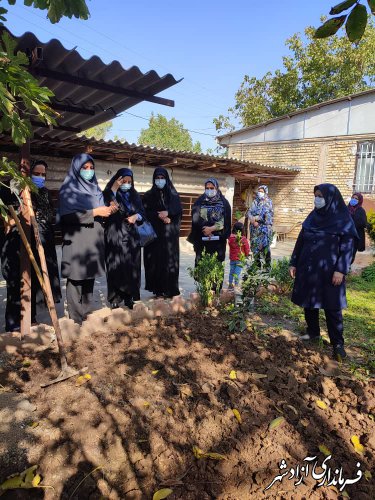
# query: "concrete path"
283,249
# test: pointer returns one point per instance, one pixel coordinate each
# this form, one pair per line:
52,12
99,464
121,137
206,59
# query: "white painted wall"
354,117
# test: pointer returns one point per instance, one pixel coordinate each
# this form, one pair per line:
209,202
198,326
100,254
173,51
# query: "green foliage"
253,278
237,321
371,226
208,276
21,98
314,71
56,9
170,134
356,21
280,273
368,274
99,131
9,172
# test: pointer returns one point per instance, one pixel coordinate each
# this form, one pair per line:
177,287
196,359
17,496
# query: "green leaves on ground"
276,423
24,480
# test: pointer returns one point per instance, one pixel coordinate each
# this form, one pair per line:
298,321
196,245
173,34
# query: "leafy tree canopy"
99,132
314,71
170,134
56,9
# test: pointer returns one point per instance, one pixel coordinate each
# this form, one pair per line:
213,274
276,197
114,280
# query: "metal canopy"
125,153
87,91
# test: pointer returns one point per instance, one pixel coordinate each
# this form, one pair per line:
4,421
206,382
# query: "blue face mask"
319,202
125,187
210,192
353,202
87,175
38,181
160,183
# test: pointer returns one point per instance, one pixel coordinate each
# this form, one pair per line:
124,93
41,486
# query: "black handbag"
146,233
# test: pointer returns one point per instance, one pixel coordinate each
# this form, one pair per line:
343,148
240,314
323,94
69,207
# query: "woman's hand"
103,211
337,278
255,223
163,214
208,230
292,271
116,185
167,220
132,219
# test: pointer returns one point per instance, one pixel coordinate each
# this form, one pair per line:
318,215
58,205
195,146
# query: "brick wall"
325,160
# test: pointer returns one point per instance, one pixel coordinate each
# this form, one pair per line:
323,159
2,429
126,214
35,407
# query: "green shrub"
368,274
371,226
280,273
208,276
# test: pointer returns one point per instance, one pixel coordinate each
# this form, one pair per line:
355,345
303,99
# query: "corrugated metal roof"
294,113
100,105
124,152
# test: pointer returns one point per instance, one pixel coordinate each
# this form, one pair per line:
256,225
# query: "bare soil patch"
161,387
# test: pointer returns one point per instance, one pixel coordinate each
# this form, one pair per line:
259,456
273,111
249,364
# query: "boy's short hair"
238,226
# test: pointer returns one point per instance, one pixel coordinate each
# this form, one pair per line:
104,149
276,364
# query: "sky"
210,44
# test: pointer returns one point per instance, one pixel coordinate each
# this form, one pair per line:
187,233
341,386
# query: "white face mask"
211,193
160,183
319,202
126,186
260,195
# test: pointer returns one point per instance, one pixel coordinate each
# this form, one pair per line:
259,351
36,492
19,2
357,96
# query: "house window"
365,172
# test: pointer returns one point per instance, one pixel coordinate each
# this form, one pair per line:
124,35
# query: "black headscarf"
166,198
125,198
334,217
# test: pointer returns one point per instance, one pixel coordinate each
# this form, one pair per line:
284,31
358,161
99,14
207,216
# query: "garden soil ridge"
162,386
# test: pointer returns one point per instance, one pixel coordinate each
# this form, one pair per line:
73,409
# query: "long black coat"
10,250
82,246
196,234
316,256
162,256
360,221
122,248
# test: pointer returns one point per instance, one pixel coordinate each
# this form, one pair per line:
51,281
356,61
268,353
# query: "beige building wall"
321,160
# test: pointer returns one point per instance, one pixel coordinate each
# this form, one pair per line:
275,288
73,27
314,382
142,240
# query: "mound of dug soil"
163,387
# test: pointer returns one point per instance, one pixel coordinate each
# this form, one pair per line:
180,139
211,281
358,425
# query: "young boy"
238,245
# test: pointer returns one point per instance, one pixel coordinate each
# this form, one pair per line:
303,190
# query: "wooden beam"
85,82
208,167
25,267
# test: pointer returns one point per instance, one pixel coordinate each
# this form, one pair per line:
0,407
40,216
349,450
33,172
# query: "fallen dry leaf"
292,408
24,480
276,422
258,376
214,456
82,379
321,404
359,448
305,422
155,372
161,494
188,338
368,475
33,424
325,450
233,375
236,413
170,411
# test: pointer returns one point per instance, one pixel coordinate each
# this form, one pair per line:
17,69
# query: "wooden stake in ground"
66,370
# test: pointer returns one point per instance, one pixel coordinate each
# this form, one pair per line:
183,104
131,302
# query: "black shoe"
129,303
115,305
339,352
306,337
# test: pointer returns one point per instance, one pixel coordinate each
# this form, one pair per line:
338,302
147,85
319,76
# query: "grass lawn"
359,318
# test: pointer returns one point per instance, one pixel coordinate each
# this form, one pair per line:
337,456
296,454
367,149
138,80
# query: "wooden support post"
25,268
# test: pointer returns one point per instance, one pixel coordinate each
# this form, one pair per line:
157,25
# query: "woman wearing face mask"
320,262
82,209
44,213
162,257
122,245
359,217
261,220
10,252
211,222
